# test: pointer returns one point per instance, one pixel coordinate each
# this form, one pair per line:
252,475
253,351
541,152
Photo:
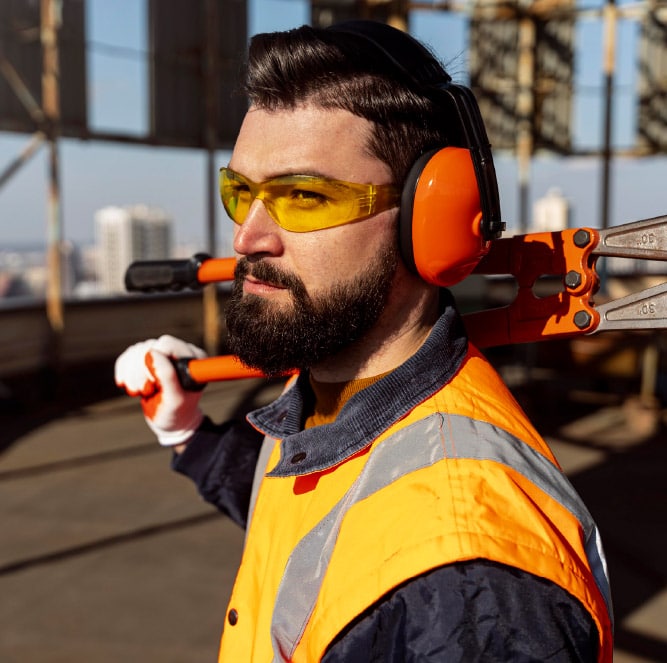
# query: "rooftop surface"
108,556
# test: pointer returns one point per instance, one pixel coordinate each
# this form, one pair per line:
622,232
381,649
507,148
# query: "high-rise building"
551,213
126,234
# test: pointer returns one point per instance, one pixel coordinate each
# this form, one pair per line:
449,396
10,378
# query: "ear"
440,224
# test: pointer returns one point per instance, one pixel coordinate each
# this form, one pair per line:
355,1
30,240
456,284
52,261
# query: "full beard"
279,338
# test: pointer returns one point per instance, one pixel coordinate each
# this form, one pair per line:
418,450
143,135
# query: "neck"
398,334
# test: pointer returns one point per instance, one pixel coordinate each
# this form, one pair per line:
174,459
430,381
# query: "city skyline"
94,269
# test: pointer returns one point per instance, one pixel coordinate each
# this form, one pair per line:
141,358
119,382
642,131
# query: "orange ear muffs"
440,227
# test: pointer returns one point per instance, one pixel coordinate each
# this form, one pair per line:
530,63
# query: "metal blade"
645,239
646,309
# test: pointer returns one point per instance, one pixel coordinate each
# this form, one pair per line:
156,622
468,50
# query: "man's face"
300,298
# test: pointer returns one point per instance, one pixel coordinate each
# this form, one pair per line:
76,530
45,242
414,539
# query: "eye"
239,189
305,194
307,197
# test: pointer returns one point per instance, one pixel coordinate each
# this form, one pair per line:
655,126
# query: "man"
403,508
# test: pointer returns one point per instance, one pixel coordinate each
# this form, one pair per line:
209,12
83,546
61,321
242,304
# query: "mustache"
268,273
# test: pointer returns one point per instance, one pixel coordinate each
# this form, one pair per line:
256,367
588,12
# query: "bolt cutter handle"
569,254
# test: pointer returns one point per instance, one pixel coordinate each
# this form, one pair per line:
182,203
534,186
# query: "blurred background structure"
114,119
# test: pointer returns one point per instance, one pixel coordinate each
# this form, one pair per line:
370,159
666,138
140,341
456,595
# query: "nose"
259,235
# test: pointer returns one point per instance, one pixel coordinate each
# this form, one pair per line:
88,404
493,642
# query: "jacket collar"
368,413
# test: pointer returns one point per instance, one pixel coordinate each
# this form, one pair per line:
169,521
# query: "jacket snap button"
297,458
233,617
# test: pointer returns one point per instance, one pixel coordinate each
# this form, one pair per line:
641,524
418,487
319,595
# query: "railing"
95,329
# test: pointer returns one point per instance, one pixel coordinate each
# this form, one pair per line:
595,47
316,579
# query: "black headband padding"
416,62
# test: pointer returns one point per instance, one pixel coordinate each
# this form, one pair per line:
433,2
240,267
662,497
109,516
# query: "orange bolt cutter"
572,255
569,254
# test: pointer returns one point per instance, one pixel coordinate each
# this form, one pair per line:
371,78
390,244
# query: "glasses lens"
303,203
235,194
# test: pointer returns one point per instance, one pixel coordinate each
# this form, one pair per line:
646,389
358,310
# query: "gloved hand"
145,370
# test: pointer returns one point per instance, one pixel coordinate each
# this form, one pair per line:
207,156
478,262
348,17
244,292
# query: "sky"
96,174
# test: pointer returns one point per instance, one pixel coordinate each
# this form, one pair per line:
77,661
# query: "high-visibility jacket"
461,475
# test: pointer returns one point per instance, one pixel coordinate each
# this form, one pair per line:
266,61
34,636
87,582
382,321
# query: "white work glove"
145,370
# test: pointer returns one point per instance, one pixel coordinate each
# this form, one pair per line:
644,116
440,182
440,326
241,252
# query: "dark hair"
343,70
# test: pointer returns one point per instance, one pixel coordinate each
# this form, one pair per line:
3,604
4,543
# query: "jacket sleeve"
470,611
221,460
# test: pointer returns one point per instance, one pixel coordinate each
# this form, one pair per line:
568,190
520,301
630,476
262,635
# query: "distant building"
126,234
551,213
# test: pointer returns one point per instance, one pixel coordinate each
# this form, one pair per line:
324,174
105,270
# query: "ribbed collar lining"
330,397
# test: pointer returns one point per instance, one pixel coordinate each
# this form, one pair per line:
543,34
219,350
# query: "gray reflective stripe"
260,470
411,448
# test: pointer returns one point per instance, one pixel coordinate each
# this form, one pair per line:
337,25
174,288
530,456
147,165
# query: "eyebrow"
289,173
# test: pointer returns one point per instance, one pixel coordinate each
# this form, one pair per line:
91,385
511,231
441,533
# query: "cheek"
317,263
371,237
339,253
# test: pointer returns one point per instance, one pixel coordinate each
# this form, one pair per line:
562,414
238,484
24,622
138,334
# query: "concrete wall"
95,330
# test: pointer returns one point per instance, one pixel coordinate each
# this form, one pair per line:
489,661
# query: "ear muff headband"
450,208
417,63
476,140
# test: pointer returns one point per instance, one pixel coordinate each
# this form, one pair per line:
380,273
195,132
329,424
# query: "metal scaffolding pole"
609,60
50,23
211,321
525,107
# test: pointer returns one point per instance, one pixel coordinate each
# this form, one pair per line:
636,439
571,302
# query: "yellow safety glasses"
303,203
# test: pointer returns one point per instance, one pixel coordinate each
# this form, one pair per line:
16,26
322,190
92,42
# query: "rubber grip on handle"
164,275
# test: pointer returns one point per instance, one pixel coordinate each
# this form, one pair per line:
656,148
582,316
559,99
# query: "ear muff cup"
440,223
